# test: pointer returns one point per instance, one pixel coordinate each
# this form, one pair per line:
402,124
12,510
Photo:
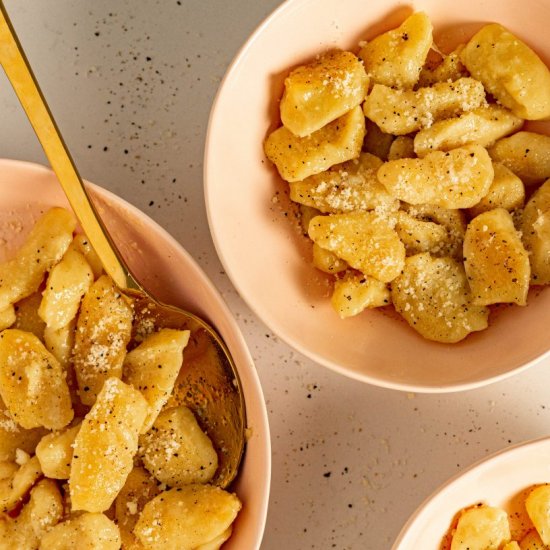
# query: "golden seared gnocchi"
484,527
32,382
456,179
296,158
400,112
88,531
67,283
496,263
510,71
537,505
322,91
327,261
481,528
437,152
395,58
176,451
103,331
527,154
507,191
356,292
26,315
153,366
209,512
481,126
55,452
433,296
345,187
68,456
105,446
449,68
140,488
367,241
535,231
421,236
44,247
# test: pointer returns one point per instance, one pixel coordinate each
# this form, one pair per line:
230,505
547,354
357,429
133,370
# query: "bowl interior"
500,480
167,270
255,229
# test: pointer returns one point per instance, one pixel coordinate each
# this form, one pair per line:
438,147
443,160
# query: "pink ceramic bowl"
501,479
26,190
260,247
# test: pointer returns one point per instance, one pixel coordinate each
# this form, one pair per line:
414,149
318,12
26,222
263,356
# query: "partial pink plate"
256,234
169,272
501,479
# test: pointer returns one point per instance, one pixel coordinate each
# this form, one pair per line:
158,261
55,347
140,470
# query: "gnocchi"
484,527
425,215
66,456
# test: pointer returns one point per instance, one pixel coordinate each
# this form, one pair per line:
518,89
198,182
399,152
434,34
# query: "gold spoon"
208,382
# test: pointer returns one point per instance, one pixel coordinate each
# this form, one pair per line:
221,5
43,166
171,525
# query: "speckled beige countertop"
131,83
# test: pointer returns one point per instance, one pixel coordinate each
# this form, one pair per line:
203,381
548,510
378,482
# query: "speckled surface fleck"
131,84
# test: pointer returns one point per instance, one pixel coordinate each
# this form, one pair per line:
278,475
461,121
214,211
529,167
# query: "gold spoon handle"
19,73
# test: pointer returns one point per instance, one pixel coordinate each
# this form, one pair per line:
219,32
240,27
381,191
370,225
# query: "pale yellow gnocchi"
32,382
535,231
209,511
322,91
510,71
438,155
395,58
58,474
433,296
176,451
496,263
365,240
103,331
484,527
153,366
297,158
105,446
455,179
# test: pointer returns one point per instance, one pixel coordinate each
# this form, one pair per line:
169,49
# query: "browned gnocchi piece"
297,158
433,296
401,112
535,232
32,382
103,330
322,91
55,452
496,263
526,154
176,451
345,187
367,241
456,179
507,191
45,245
87,531
209,512
355,293
510,71
482,126
105,446
395,58
153,366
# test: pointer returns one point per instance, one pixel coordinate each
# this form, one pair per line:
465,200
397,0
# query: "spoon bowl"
208,382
